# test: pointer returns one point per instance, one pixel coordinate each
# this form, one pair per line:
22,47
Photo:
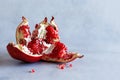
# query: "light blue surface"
91,27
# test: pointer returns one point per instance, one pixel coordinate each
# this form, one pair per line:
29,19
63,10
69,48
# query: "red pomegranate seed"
32,71
70,65
61,66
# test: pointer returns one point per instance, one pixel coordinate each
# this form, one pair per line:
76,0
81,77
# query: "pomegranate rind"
69,57
18,54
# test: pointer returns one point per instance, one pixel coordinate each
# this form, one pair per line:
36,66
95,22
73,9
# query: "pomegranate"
43,44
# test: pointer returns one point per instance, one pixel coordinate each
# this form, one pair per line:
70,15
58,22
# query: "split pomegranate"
43,44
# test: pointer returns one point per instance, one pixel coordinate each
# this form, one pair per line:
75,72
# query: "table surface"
91,67
90,27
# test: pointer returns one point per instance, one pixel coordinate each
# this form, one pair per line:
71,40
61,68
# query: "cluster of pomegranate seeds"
52,34
25,30
35,46
22,33
62,66
60,50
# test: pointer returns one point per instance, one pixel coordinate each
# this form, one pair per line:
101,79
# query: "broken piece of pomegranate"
68,57
20,51
23,35
43,44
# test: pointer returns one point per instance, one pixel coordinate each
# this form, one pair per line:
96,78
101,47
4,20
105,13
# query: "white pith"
41,31
49,49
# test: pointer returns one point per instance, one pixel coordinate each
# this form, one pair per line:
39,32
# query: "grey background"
91,27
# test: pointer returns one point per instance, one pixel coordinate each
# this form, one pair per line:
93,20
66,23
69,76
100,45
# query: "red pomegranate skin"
19,55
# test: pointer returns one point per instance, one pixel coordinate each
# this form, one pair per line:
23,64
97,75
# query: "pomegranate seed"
70,65
61,66
32,71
